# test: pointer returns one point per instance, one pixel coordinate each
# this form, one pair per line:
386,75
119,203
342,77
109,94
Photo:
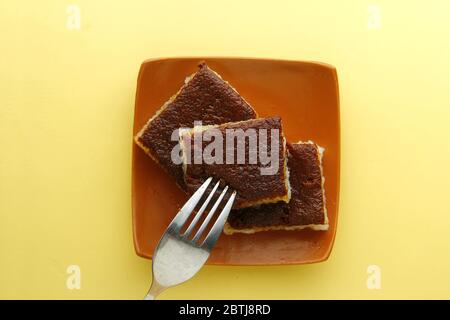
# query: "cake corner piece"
204,96
306,173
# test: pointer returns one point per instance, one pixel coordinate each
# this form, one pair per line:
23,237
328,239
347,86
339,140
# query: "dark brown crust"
205,98
307,199
252,187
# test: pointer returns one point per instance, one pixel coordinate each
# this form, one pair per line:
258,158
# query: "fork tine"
200,212
216,230
188,207
209,216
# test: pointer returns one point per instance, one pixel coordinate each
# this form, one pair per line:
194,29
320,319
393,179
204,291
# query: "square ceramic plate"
304,94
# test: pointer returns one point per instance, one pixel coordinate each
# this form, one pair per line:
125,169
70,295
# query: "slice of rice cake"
256,181
307,207
205,97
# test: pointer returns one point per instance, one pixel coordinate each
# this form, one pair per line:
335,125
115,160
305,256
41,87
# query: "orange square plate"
304,94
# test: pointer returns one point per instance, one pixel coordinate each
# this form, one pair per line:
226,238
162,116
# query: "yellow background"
66,110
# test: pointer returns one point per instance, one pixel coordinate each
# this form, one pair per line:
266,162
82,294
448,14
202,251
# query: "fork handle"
149,297
154,291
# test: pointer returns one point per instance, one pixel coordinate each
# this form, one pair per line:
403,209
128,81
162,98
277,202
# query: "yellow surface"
66,109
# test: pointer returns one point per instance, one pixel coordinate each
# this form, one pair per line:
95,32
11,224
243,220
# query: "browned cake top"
307,199
252,187
207,98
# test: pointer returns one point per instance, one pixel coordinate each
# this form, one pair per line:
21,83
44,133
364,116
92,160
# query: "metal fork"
177,257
